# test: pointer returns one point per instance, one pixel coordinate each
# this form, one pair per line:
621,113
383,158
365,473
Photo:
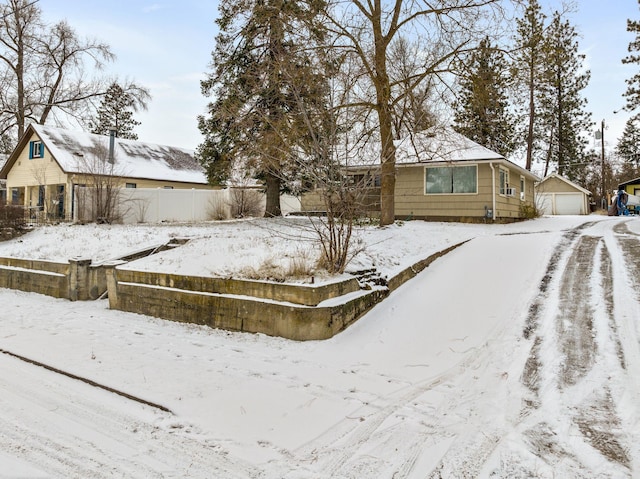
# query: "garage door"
569,204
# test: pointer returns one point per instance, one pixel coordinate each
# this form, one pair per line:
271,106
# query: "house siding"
144,183
28,174
56,197
412,202
555,185
36,171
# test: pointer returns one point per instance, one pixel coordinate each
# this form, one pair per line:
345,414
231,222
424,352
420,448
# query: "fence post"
79,279
112,282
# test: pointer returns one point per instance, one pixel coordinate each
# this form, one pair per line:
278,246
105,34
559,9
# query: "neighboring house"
443,175
632,187
556,195
49,163
3,184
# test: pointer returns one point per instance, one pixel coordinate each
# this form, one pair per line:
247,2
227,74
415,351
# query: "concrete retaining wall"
293,311
76,280
303,294
239,313
298,312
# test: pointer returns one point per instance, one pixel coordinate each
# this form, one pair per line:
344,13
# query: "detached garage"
556,195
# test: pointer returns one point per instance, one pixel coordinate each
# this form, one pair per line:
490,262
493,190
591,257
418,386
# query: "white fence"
155,205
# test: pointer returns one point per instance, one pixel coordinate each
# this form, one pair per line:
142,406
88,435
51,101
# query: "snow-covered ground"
481,366
235,248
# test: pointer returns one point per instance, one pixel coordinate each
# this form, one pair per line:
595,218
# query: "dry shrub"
268,270
217,209
529,211
299,265
245,202
12,216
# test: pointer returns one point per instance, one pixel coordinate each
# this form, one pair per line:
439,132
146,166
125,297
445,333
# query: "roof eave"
16,152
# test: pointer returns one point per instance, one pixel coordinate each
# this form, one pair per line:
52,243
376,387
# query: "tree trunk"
273,196
388,169
546,166
383,97
532,113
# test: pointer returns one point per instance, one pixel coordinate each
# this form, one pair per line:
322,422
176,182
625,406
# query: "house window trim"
424,176
36,149
502,189
131,185
523,185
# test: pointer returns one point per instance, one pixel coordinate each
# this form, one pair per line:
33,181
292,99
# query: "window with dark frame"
504,181
36,149
443,180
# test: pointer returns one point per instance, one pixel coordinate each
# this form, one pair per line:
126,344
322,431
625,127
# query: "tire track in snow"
574,322
365,426
585,327
444,428
110,437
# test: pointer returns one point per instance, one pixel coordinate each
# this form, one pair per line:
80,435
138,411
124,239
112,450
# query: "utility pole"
604,196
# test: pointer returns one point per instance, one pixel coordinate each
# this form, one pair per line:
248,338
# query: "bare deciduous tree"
441,30
43,71
102,177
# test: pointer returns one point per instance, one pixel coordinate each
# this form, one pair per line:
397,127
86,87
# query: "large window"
451,179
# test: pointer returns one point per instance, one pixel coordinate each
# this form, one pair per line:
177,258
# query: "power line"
21,8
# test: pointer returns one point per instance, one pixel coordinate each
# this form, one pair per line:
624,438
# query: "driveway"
513,356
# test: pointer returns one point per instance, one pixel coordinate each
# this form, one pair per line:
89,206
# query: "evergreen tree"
528,65
563,106
632,94
116,112
266,85
482,112
628,147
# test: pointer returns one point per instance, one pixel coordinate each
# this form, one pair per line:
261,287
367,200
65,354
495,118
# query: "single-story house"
443,175
49,163
556,195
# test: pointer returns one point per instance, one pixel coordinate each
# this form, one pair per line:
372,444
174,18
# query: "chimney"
112,143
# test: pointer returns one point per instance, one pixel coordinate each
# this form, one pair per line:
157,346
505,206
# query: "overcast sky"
166,45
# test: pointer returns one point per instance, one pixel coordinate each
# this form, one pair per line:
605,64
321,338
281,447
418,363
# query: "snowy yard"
515,355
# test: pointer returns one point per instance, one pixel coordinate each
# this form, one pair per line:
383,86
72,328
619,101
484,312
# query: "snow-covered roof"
134,159
441,144
437,144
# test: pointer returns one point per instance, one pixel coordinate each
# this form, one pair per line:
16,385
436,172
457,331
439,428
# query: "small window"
168,187
504,181
522,190
131,185
36,149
